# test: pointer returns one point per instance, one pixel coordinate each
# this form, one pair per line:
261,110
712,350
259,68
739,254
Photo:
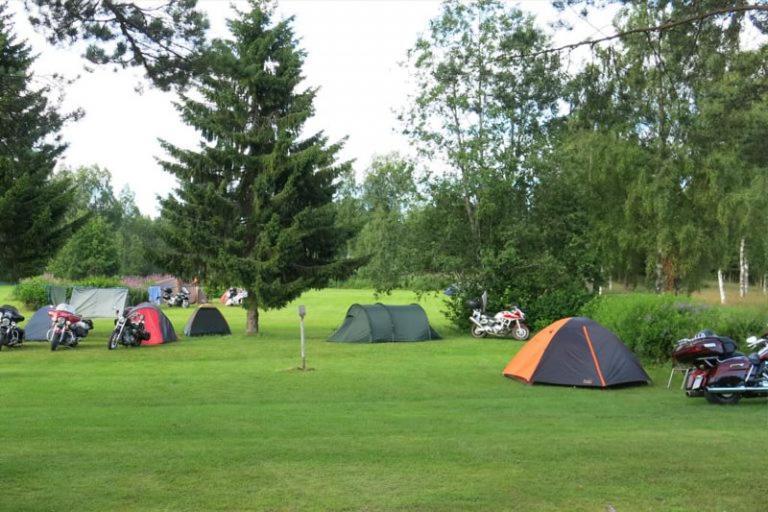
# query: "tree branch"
644,30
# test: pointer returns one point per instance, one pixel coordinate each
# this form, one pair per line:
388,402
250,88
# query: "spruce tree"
253,207
32,205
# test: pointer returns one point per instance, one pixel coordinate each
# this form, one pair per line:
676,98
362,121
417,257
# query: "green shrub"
355,282
213,292
651,324
92,250
31,292
545,290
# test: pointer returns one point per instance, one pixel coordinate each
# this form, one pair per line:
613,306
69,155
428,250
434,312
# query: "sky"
355,50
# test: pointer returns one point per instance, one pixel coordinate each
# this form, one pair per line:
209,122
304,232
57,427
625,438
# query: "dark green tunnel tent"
376,323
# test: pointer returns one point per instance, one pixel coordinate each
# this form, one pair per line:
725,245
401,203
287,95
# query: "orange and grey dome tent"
576,352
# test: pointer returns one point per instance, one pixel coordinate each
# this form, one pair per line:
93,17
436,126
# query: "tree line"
531,180
542,185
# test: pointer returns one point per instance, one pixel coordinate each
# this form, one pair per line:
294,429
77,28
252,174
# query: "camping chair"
684,369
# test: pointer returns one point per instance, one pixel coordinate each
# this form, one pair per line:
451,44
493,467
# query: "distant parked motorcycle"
11,335
67,327
235,297
503,324
129,330
719,372
181,298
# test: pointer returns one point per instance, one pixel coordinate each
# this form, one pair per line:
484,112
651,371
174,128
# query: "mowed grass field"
223,423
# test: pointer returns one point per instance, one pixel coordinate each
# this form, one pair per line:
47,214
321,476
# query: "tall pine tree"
254,203
32,205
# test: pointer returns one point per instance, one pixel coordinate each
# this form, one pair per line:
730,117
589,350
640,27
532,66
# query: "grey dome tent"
206,321
376,323
37,326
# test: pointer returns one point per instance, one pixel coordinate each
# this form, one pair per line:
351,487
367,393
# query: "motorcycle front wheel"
521,333
112,343
185,303
54,342
478,332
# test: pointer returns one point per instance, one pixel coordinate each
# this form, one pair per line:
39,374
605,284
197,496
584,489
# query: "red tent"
158,326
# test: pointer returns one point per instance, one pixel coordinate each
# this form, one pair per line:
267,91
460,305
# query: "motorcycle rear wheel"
478,332
723,398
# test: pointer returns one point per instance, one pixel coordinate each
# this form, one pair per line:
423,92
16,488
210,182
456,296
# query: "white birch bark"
721,285
743,269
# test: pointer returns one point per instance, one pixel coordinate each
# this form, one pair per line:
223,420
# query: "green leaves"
165,39
253,205
91,251
32,205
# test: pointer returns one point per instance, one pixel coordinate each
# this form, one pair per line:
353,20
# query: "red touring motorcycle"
719,372
67,327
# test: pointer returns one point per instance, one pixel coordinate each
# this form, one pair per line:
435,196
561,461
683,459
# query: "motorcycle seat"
730,355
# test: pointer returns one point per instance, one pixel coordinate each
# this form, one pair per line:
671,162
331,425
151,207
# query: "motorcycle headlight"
60,320
5,321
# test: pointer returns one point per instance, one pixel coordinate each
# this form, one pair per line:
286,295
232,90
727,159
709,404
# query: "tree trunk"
252,319
765,284
721,285
610,284
743,269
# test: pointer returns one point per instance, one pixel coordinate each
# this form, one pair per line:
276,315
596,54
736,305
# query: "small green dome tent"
376,323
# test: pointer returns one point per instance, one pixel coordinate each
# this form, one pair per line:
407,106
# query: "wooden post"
302,313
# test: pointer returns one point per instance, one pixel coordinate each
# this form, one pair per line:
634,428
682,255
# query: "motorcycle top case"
687,351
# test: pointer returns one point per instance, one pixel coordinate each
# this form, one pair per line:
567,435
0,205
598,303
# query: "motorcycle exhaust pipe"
739,389
474,321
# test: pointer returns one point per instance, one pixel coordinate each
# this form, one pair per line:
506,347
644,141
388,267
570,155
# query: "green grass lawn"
222,423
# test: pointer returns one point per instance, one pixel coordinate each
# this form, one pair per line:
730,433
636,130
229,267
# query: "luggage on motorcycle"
689,350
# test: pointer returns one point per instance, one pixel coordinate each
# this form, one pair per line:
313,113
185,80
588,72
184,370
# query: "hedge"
651,324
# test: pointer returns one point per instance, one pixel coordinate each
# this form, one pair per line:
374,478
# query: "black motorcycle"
11,335
181,298
129,330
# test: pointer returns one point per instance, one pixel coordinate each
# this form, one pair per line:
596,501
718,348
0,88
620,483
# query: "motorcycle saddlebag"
687,351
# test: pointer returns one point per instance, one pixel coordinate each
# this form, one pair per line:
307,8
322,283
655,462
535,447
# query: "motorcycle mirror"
752,340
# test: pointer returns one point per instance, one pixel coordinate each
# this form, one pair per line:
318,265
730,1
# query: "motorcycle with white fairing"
510,322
